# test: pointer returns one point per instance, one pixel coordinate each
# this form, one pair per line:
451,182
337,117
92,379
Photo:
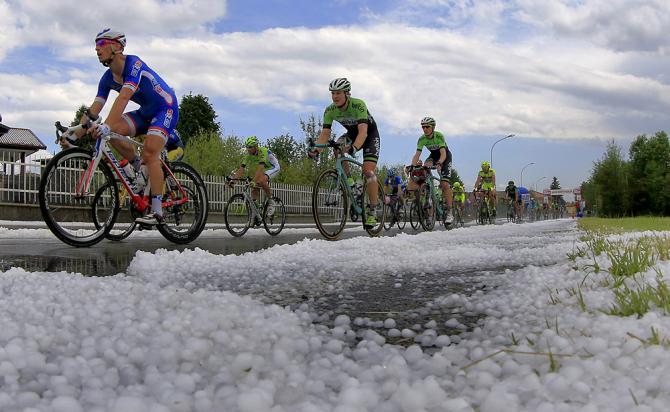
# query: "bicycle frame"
141,201
341,174
246,192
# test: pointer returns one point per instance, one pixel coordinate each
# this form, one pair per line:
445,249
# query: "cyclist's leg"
370,158
163,123
131,124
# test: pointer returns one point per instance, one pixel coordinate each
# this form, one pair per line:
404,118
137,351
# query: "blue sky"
563,76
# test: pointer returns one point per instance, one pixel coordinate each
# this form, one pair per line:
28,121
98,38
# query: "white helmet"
109,34
428,121
340,84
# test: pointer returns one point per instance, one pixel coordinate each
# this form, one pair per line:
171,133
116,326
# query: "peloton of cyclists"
486,182
262,164
362,134
157,116
440,157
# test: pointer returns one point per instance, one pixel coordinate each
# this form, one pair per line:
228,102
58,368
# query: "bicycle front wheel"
68,214
414,215
274,222
237,215
125,220
330,204
401,217
390,216
185,207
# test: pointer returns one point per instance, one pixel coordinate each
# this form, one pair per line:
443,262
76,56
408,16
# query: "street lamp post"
538,181
531,163
499,140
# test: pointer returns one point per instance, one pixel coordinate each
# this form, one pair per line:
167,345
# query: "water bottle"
128,169
142,178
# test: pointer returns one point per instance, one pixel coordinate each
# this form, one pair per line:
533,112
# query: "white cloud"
622,25
66,23
545,86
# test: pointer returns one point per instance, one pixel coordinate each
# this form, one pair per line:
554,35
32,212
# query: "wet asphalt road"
410,307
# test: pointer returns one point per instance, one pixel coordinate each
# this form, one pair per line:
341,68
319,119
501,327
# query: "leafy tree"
609,183
86,141
555,184
287,149
455,177
212,155
196,116
650,162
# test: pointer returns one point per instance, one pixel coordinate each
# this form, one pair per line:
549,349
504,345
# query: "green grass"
626,224
633,295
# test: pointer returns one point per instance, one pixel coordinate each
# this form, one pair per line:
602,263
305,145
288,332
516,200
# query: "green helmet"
428,121
457,185
252,141
485,164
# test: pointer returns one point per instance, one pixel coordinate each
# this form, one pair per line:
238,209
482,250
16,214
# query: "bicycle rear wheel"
427,208
68,215
329,204
380,214
184,220
274,223
237,215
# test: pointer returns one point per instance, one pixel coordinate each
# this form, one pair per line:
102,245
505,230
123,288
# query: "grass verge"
626,224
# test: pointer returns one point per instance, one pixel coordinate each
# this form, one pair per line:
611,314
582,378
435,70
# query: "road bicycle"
484,209
331,197
423,210
397,213
511,211
241,211
458,216
80,203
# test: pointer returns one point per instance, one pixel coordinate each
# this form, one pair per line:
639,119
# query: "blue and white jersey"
395,181
524,194
150,91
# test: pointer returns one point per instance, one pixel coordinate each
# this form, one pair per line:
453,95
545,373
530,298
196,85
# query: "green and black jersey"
355,113
433,144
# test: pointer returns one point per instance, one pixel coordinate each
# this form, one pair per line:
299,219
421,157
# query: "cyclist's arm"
238,173
95,109
443,155
362,135
478,182
415,159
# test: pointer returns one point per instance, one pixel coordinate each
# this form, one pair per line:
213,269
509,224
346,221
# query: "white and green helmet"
428,121
340,84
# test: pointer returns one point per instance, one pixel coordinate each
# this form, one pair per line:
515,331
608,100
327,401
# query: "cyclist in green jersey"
362,134
440,157
459,197
486,181
262,164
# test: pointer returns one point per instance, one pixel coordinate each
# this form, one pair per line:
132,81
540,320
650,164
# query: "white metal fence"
19,184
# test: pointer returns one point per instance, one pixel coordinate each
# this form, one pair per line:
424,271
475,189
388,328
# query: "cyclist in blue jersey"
524,200
394,186
157,116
